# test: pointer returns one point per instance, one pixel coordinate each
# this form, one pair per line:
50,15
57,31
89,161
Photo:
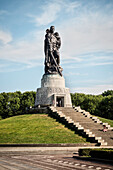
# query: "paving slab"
45,158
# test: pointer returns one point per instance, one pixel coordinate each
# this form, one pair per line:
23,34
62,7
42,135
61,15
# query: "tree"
5,105
27,100
105,108
12,104
107,93
15,103
77,99
1,106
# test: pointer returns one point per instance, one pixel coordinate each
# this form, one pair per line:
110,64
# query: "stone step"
84,122
98,121
91,125
103,144
79,117
91,135
80,128
76,124
86,130
98,138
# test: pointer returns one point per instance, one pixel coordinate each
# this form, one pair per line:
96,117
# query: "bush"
84,152
101,153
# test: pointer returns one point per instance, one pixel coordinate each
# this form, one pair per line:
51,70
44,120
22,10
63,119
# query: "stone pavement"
46,158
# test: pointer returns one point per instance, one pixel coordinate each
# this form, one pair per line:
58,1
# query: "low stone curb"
48,145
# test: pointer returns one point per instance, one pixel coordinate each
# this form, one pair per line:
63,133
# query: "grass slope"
36,128
110,122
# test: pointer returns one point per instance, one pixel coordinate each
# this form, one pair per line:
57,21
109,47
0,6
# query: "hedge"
84,152
101,153
108,154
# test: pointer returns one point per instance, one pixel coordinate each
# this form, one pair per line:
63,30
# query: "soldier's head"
52,29
56,34
47,31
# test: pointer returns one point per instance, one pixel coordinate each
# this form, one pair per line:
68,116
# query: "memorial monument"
53,91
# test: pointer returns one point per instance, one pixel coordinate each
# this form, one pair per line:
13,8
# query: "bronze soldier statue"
52,45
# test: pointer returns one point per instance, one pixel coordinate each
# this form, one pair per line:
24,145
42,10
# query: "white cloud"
78,39
12,68
80,35
105,58
87,33
89,64
5,37
2,12
49,13
22,52
100,64
84,32
52,11
70,6
75,74
29,52
96,90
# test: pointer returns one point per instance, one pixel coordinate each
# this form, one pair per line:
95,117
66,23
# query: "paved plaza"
46,158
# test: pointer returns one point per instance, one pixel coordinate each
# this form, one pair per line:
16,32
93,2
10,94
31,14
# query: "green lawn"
36,128
110,122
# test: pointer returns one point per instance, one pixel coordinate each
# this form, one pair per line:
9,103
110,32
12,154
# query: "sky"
86,31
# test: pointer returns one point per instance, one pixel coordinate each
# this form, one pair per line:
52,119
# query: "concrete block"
94,118
98,138
91,135
86,130
76,124
103,143
80,128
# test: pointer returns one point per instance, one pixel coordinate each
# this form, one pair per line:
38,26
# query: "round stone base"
53,92
53,96
52,80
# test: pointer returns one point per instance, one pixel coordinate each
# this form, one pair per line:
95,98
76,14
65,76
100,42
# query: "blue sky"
86,30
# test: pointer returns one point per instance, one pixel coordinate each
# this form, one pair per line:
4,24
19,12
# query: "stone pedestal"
53,92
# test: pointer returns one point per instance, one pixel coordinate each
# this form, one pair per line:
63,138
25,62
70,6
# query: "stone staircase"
85,124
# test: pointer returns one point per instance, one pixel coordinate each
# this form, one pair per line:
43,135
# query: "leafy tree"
1,106
105,108
77,99
14,105
17,102
91,102
5,105
100,105
27,100
107,93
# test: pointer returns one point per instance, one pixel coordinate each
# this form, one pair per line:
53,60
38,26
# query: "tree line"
15,103
99,105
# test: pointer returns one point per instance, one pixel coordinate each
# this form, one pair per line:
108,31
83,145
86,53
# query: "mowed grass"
36,128
110,122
